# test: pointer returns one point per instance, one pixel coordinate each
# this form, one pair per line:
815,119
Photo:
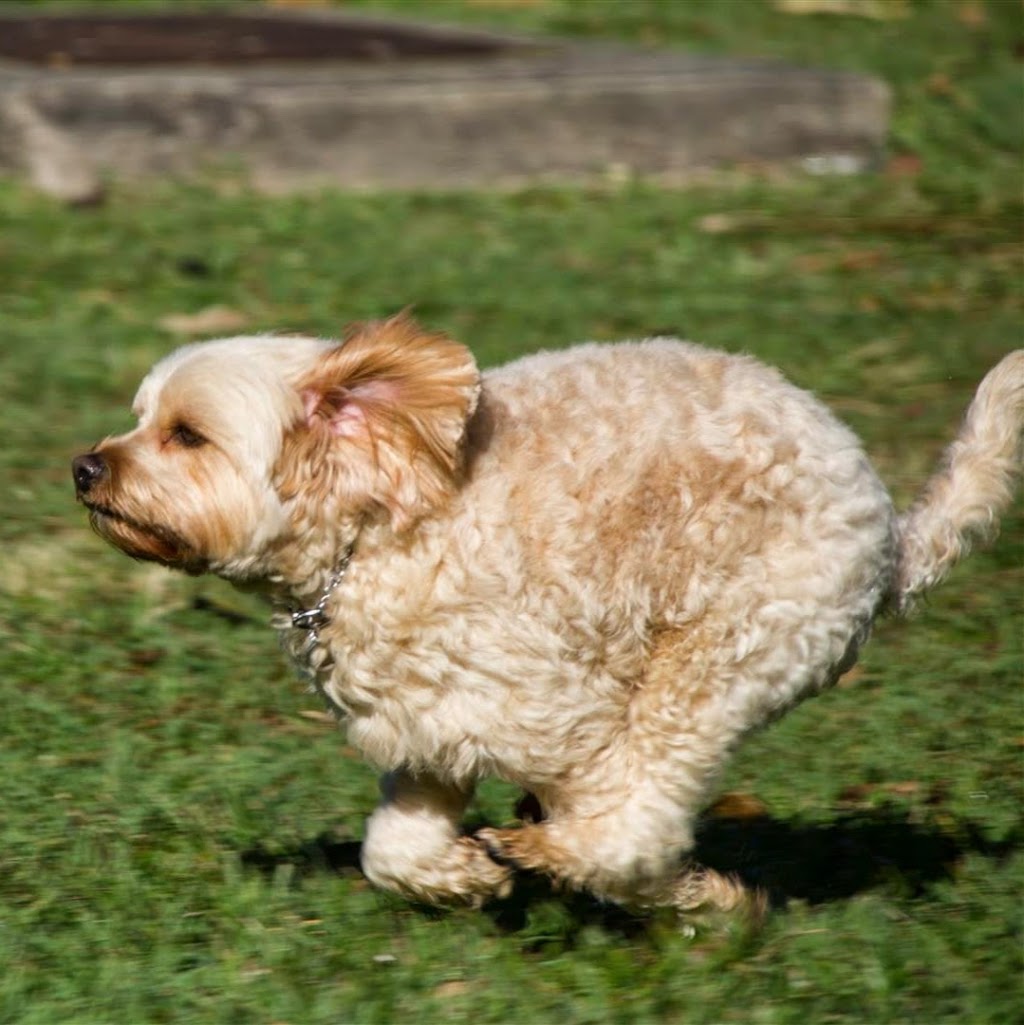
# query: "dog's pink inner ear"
383,420
346,411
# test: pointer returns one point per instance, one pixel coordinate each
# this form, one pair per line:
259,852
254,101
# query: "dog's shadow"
854,852
816,863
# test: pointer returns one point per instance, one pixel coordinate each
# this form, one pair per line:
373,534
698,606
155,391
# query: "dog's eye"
182,434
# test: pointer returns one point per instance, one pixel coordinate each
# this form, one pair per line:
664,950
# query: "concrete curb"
529,113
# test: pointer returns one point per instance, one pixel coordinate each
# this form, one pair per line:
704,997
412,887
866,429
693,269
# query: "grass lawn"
179,823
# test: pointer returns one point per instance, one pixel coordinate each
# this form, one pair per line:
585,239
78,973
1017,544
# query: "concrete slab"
455,109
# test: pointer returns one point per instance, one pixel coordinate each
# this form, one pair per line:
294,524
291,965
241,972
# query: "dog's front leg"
413,845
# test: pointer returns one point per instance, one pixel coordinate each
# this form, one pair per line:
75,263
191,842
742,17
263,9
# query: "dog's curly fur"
590,572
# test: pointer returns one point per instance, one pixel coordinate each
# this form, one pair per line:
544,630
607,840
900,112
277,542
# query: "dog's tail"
962,502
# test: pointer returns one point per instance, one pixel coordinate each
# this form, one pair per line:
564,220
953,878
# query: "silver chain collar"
312,619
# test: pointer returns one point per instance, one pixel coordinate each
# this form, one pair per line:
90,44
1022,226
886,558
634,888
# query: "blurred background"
831,185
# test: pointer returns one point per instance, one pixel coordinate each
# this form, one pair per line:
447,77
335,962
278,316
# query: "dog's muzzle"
88,470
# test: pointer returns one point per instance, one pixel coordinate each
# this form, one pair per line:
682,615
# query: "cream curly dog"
589,572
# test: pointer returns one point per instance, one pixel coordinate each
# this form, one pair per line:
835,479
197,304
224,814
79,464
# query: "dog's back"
661,484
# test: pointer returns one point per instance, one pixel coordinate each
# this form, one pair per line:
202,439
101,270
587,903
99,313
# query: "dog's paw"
463,874
700,895
523,848
480,877
467,876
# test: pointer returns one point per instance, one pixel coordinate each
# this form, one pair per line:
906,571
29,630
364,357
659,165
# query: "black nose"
87,470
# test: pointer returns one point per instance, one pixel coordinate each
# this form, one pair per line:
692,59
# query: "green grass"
178,833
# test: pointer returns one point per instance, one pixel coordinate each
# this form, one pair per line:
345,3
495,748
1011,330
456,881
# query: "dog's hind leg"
621,823
413,845
635,852
634,855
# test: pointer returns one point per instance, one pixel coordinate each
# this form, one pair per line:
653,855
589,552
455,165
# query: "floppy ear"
384,415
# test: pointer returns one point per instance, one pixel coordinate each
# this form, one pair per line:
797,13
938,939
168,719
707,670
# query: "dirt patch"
60,40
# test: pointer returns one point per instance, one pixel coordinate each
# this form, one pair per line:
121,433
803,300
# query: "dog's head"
253,454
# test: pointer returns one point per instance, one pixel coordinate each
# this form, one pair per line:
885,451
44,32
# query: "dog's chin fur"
589,572
146,543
